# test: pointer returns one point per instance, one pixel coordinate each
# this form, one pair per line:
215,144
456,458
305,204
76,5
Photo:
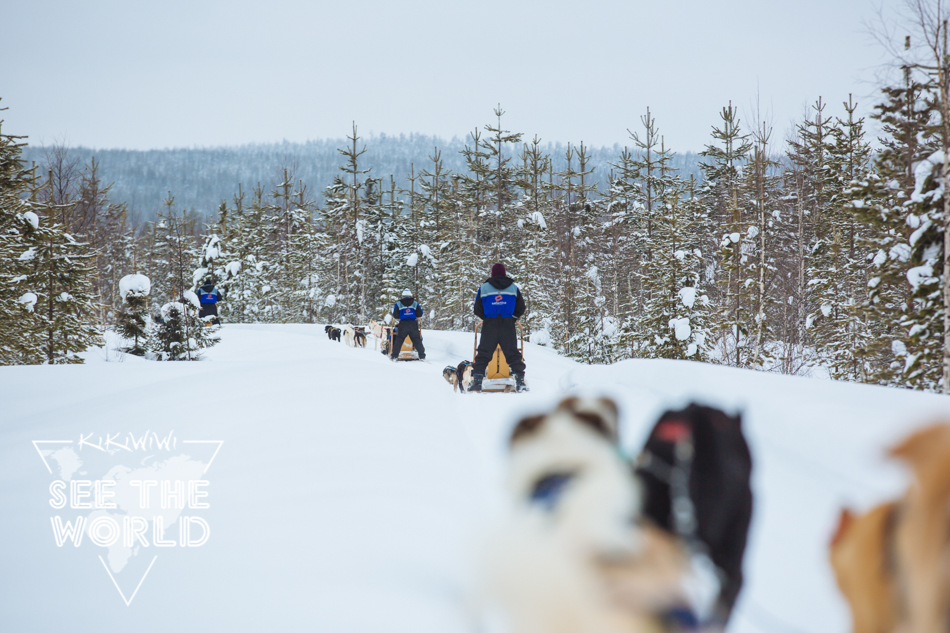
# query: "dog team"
594,542
353,335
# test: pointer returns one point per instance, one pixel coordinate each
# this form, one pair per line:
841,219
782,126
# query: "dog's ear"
600,414
527,426
923,446
845,520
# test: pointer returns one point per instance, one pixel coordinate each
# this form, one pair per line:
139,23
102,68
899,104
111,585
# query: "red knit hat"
498,270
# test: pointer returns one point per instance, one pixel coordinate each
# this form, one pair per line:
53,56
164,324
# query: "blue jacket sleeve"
396,311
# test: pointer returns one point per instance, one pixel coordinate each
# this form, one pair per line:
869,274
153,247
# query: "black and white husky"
459,377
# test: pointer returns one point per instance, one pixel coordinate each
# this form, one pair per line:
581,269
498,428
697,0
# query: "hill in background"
200,178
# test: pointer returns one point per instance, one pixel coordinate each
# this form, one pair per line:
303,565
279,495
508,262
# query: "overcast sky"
125,74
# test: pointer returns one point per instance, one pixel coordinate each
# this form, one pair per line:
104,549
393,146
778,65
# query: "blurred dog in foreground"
696,471
573,537
893,563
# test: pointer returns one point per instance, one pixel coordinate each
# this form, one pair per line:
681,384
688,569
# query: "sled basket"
498,375
406,352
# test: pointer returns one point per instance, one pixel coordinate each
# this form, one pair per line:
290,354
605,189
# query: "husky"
349,335
359,337
333,333
459,377
861,555
696,472
893,563
573,533
378,331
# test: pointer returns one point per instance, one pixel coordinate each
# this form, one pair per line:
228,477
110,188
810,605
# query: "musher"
208,297
407,311
499,304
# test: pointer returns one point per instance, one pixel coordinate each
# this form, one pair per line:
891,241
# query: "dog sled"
406,352
498,375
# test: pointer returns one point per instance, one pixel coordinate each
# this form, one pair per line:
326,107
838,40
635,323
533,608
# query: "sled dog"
861,555
893,563
333,333
572,533
349,335
696,461
378,332
459,377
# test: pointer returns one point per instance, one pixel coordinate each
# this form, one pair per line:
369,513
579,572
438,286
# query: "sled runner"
498,375
406,352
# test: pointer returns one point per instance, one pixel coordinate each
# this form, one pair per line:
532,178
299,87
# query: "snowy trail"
349,489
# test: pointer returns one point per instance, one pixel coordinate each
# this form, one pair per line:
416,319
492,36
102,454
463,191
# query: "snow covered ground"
348,490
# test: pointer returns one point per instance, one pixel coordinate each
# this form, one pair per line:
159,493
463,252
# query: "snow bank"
137,284
333,509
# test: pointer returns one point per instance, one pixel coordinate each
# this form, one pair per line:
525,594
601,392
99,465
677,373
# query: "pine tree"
674,321
879,203
60,276
764,194
812,155
133,320
839,266
344,269
181,334
534,264
725,204
19,325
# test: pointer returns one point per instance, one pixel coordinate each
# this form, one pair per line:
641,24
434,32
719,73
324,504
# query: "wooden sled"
407,352
498,375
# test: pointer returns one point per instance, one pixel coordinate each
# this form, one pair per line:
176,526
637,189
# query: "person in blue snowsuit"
499,304
208,297
407,313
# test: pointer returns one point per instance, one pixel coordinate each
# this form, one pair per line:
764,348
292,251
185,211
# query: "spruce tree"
133,319
879,202
725,203
60,275
19,324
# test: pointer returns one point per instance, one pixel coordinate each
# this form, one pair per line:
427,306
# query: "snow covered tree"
764,194
838,280
133,320
344,271
19,325
500,177
535,261
60,274
725,204
674,320
879,202
180,333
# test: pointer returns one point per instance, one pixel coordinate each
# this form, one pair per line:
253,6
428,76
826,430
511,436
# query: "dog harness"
685,524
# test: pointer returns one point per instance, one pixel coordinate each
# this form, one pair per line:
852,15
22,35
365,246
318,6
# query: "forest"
822,252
